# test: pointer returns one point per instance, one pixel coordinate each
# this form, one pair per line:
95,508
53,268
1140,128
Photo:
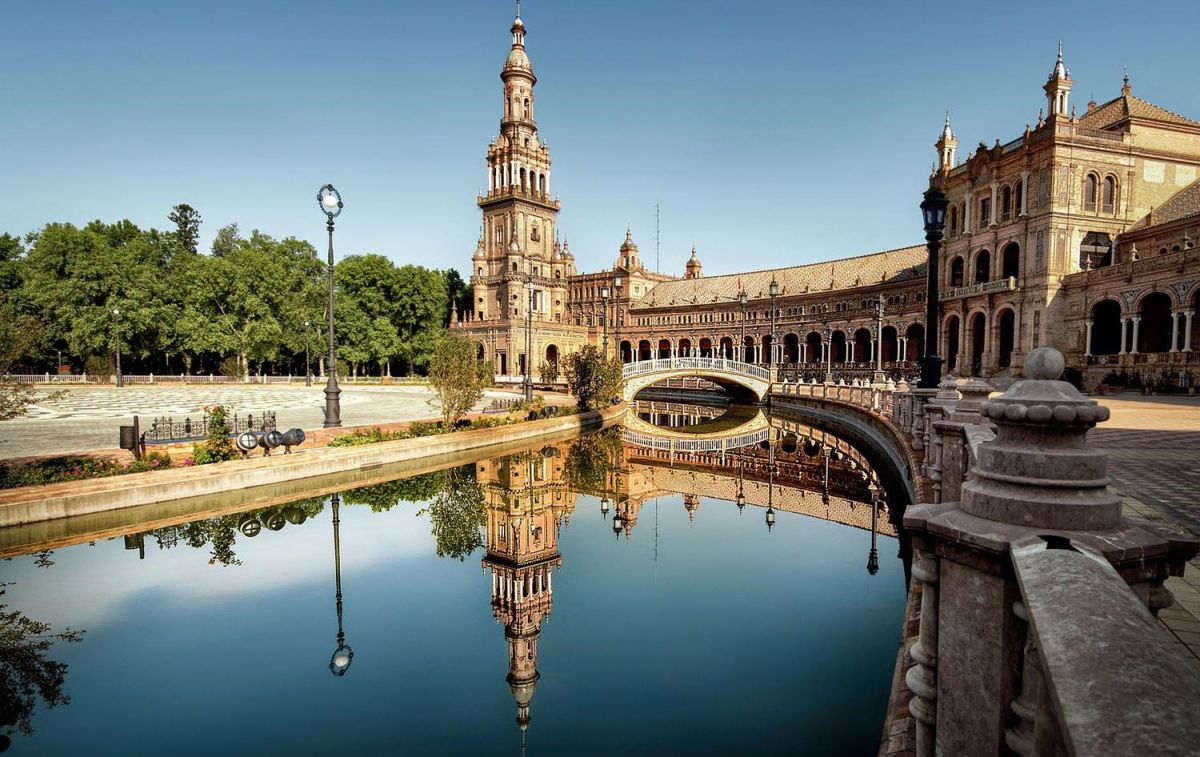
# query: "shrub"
231,368
60,469
368,436
593,379
457,377
217,447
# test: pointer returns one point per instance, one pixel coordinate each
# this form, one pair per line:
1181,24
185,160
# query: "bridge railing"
662,365
651,441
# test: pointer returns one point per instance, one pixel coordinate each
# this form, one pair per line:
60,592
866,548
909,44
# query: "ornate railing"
167,429
1008,284
663,365
676,444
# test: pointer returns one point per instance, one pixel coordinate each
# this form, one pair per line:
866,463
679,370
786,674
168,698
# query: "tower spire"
1058,87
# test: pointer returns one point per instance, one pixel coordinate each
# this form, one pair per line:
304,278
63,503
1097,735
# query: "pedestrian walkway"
1153,446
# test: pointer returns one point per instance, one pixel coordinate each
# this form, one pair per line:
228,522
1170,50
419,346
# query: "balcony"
1008,284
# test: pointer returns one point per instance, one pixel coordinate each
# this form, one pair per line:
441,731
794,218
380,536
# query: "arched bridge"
732,375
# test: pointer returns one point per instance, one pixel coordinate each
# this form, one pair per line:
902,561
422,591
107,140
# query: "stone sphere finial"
1045,364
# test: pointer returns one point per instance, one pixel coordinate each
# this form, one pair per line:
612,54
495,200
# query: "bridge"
738,378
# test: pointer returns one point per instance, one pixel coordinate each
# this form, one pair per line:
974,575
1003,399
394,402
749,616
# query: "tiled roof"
1182,204
893,265
1128,106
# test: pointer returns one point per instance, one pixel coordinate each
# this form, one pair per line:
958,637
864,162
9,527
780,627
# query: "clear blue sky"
772,133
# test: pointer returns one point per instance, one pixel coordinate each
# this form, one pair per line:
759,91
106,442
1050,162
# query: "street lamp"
879,378
117,339
604,319
742,300
618,282
933,212
331,205
828,334
773,291
343,655
307,363
604,507
741,490
529,339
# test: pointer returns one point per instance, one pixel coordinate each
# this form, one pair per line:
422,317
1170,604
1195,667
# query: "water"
688,628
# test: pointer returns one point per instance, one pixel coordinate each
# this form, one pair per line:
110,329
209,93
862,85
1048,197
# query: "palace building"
1077,234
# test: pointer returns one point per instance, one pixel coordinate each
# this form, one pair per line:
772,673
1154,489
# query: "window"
1110,194
954,221
1005,204
985,211
1019,196
1089,192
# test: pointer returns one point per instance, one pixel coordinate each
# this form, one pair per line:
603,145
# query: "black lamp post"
618,283
331,205
773,291
343,655
529,339
933,211
742,300
873,555
741,490
879,378
117,339
770,517
604,319
307,363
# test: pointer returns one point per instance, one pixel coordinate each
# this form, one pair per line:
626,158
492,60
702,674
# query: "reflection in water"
516,508
26,675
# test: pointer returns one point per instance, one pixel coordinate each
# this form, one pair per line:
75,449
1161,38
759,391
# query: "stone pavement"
89,417
1153,446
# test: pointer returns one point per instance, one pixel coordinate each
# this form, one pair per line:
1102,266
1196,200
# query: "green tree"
458,293
226,240
25,674
593,380
420,308
547,372
457,377
187,226
383,497
457,515
18,334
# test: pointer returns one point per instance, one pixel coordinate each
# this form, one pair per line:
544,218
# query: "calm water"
485,610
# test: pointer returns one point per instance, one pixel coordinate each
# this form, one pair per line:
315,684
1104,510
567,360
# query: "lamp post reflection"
339,663
741,489
873,555
770,483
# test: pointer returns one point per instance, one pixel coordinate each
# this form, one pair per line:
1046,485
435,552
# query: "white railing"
709,444
702,364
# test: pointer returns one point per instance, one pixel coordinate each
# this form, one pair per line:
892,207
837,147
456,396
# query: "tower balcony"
504,194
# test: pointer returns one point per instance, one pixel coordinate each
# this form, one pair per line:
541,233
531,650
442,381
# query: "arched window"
1011,262
983,267
526,106
1089,192
514,267
1110,194
956,272
954,221
1005,204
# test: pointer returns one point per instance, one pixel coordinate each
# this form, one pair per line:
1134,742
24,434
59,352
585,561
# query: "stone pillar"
995,208
968,201
1087,341
1124,339
1187,330
1137,322
922,677
1024,192
804,352
1175,331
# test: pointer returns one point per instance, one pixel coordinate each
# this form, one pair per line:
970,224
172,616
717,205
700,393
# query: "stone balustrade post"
922,677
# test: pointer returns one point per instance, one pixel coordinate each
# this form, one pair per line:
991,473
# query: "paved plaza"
89,417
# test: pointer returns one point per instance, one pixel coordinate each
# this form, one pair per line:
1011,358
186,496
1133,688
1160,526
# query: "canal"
704,580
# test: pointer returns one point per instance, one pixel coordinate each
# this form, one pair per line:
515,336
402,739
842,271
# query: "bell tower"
1058,88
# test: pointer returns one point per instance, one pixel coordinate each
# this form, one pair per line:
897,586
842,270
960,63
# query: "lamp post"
742,300
117,339
773,291
741,491
604,319
343,655
618,283
331,205
873,555
307,363
828,334
770,517
879,378
933,211
529,338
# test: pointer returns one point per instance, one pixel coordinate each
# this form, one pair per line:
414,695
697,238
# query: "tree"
592,379
590,459
458,293
547,372
383,497
420,308
18,334
187,226
457,515
457,377
25,673
226,240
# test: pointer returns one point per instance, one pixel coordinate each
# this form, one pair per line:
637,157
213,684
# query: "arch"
954,221
524,180
1006,326
1154,332
626,351
915,336
726,347
479,351
791,348
813,347
1091,183
541,183
706,347
552,356
768,349
837,347
747,355
1108,194
888,348
685,347
1019,196
644,352
953,325
861,351
956,271
978,324
1010,260
1106,328
983,267
664,349
481,272
526,109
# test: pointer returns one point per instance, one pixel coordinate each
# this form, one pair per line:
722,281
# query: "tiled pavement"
1153,446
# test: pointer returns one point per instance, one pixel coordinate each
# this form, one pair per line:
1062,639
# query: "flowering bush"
217,447
60,469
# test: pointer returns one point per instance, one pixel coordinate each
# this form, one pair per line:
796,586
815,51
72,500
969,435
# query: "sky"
769,133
